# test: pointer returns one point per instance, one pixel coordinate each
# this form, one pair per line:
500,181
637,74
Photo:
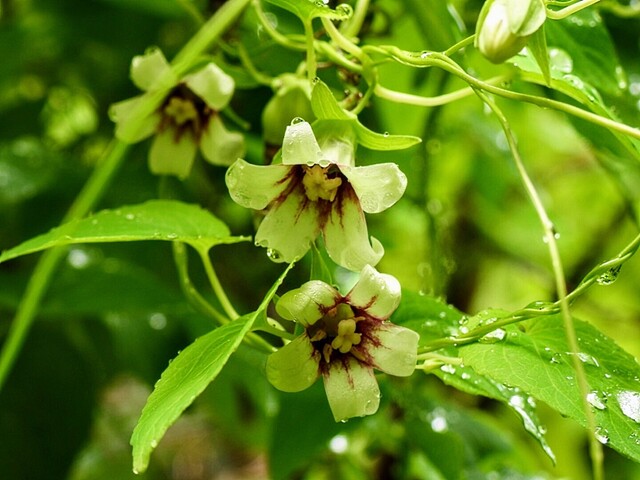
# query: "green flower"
317,189
187,118
344,340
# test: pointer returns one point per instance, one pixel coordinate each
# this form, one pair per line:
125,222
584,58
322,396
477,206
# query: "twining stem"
189,290
101,179
215,284
435,59
312,64
561,288
570,10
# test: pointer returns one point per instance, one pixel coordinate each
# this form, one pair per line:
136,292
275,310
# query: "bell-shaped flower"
345,338
317,189
186,119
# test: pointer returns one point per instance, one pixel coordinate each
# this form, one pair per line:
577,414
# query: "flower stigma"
320,183
337,330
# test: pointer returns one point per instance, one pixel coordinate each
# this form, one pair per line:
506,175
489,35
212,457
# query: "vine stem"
550,237
215,284
99,181
570,10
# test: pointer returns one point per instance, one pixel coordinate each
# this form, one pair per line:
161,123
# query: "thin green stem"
570,10
193,296
340,40
215,284
273,33
101,178
434,59
561,288
352,27
312,64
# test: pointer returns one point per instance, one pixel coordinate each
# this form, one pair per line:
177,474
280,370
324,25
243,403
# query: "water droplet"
610,276
157,321
154,443
324,163
494,337
130,216
274,255
172,236
297,120
424,54
448,368
438,420
344,9
602,435
560,60
466,376
385,134
517,401
78,258
630,404
136,472
597,400
339,444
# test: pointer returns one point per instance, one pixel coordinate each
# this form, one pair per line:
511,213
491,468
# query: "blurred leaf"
186,377
154,220
539,362
538,46
26,169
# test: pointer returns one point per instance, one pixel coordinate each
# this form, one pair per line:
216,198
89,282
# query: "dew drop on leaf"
602,435
597,400
629,402
494,337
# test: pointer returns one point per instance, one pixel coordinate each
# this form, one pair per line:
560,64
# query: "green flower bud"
292,99
504,27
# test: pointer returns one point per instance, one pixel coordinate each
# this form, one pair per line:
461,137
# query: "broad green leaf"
154,220
308,9
434,320
538,361
186,377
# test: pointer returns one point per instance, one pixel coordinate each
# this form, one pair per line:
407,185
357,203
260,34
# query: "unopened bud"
504,27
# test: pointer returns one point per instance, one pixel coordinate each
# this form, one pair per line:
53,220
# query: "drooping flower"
345,338
187,118
317,189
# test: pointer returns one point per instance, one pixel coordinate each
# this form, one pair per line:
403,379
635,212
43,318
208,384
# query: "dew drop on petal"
274,254
297,120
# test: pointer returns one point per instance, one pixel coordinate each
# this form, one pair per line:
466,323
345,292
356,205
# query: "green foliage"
513,240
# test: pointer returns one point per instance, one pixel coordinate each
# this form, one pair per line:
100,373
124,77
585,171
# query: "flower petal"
212,85
300,146
255,186
395,352
295,366
126,130
346,236
309,303
147,69
169,156
220,146
289,227
352,389
376,293
377,186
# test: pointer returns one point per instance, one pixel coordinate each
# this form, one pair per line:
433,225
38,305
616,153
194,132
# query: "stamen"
318,186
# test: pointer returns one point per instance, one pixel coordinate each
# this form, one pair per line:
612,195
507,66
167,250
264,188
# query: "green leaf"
539,362
154,220
434,320
324,104
308,9
330,113
538,47
186,377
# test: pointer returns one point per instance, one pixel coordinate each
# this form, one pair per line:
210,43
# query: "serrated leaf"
434,320
539,362
308,9
154,220
186,377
